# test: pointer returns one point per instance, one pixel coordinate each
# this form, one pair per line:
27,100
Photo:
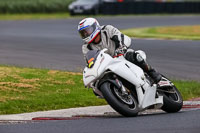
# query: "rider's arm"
120,39
85,49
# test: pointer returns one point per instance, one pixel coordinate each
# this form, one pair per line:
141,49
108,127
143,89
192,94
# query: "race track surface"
55,44
182,122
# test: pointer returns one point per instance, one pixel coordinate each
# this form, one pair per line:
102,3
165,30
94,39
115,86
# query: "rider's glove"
121,50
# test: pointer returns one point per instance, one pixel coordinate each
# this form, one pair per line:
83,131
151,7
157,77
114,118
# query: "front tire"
128,109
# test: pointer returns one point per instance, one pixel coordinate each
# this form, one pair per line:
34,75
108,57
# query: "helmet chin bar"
96,37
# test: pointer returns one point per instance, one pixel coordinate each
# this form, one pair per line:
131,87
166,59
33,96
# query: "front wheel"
124,104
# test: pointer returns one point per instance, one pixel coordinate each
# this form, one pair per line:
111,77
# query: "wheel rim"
127,99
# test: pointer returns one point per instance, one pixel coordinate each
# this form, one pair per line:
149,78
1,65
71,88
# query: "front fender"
114,82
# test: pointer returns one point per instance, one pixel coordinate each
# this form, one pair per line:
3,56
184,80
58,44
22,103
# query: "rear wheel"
126,105
172,99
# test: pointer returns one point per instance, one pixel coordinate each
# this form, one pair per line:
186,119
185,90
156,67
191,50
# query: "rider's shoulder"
107,27
84,45
87,46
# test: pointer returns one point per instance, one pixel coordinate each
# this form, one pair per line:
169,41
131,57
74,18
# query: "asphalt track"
182,122
55,44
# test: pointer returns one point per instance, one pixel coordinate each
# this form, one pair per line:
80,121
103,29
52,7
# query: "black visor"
84,33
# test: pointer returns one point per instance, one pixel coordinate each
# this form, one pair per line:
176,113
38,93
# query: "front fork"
121,86
115,81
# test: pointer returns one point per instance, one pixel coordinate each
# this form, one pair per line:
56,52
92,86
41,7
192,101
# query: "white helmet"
88,29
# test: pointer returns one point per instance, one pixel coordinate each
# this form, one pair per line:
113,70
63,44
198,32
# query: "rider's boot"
136,58
151,72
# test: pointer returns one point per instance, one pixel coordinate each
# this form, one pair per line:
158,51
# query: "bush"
34,6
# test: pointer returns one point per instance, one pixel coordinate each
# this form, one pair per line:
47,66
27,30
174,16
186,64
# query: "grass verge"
64,15
36,16
170,32
28,90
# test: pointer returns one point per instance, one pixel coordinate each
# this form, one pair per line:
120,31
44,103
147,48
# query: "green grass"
188,89
33,6
169,32
28,90
64,15
35,16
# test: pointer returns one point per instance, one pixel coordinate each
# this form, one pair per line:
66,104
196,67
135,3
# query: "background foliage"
34,6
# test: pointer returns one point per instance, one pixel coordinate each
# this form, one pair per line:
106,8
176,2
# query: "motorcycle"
125,86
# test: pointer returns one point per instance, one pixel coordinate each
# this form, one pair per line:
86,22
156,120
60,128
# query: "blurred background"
100,6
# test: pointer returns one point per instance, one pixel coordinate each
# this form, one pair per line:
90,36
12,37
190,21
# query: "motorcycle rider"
98,37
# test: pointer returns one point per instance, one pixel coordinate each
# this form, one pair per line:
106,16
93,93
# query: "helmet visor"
86,32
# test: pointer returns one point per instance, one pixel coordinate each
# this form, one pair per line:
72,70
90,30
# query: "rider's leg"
136,58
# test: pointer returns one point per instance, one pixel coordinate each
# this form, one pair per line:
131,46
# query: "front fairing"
92,74
119,66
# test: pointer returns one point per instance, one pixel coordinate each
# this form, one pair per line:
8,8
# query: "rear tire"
173,102
128,110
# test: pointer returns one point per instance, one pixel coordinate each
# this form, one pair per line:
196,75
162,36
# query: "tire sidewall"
171,106
115,103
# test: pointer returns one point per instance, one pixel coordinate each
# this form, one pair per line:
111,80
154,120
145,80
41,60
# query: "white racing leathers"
118,43
111,39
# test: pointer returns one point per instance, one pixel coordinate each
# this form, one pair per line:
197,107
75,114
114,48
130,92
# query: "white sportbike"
126,87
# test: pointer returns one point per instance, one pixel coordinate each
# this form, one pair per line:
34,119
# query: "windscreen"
91,57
